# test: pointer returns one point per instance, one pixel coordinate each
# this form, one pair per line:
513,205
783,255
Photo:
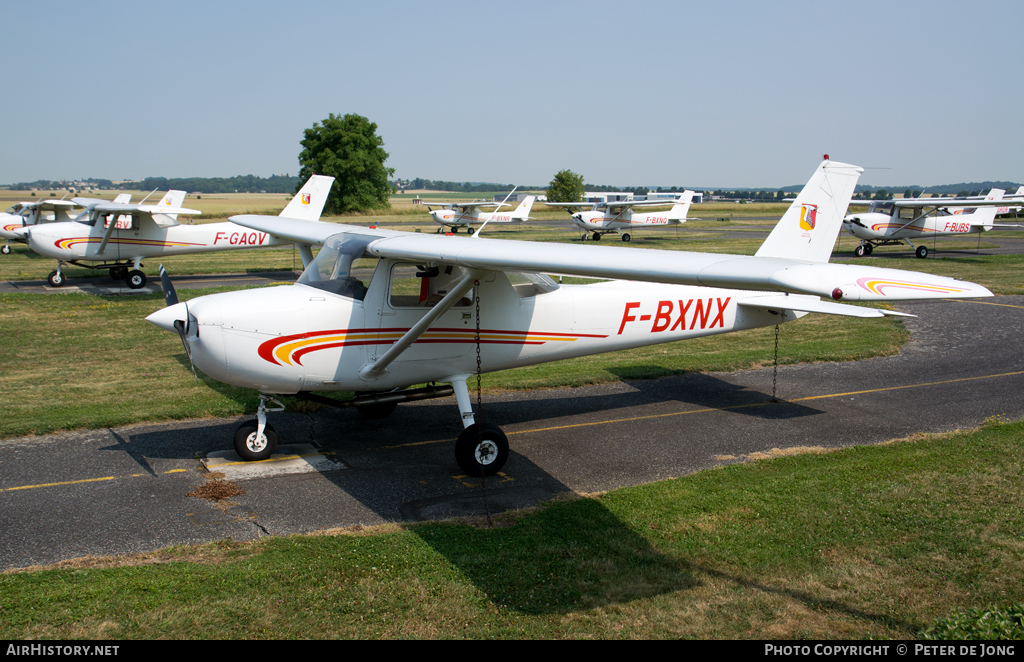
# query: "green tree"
567,186
348,149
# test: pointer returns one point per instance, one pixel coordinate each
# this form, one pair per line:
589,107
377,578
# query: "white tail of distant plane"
682,207
172,200
984,216
522,212
308,203
808,229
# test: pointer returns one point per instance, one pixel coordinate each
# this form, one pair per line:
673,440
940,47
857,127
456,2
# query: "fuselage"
19,216
457,218
602,221
890,222
80,241
307,337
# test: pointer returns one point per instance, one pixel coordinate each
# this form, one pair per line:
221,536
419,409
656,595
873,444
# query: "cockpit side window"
528,284
337,269
425,285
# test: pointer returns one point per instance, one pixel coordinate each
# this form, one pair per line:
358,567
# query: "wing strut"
109,231
372,371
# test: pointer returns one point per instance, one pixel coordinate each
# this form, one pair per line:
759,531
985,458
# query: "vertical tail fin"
522,212
681,208
308,203
808,229
171,199
984,216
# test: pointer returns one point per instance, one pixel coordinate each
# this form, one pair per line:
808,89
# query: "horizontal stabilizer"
814,305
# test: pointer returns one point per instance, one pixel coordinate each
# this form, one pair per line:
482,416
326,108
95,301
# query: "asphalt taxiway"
125,490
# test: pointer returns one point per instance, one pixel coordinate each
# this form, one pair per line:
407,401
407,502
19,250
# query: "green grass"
879,541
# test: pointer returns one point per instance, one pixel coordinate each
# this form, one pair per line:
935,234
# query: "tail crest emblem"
808,216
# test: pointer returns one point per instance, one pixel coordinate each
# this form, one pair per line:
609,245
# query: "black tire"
245,441
597,237
921,252
5,249
868,249
626,237
860,251
481,453
114,275
136,279
55,279
583,237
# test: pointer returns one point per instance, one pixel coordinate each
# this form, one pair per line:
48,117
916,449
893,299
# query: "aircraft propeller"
181,326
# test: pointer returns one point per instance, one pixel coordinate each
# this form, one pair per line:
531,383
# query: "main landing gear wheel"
626,237
481,454
921,252
249,447
597,237
135,279
55,279
119,273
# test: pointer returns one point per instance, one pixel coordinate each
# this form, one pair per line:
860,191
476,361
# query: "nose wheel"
252,446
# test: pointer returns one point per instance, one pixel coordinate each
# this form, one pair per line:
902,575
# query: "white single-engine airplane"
118,236
457,215
605,217
15,221
889,222
443,309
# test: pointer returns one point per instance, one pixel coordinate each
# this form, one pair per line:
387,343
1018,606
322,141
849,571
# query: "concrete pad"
112,291
294,459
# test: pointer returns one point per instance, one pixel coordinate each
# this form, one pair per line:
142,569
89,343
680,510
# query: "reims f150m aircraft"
888,222
118,236
455,215
606,217
434,302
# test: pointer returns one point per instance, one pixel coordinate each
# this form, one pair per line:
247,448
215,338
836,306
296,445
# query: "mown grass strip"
876,541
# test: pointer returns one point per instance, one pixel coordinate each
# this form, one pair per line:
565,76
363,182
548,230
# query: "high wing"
621,204
478,204
935,202
793,260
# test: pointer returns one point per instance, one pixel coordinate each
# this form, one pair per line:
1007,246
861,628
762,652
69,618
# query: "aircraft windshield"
331,270
882,207
86,217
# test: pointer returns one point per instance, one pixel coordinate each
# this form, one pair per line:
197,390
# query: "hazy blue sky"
641,93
